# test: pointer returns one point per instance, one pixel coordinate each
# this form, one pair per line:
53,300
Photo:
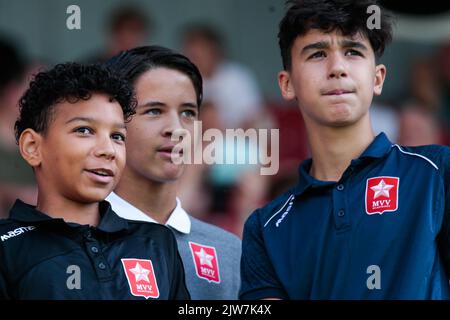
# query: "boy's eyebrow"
161,104
325,45
190,105
152,104
316,46
353,44
91,120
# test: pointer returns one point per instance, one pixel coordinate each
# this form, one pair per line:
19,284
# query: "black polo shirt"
46,258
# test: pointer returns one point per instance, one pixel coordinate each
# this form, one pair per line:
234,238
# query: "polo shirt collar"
179,219
109,220
379,147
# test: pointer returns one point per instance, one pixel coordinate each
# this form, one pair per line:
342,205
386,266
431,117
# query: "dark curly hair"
347,16
133,63
70,82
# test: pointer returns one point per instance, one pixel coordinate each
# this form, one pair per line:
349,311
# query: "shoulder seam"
417,155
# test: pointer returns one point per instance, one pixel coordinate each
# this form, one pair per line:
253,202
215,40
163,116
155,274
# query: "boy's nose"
105,148
172,124
337,67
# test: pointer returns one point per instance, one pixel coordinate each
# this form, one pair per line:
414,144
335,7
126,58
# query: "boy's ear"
30,147
284,81
380,75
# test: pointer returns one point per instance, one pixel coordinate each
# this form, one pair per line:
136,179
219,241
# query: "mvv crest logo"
205,261
382,194
141,277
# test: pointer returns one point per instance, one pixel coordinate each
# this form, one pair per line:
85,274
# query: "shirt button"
94,249
341,213
340,187
102,266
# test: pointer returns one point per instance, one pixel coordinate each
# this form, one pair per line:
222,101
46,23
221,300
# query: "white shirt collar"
179,219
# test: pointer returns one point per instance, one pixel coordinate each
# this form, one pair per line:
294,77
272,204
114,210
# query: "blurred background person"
424,83
232,100
419,126
422,117
16,176
230,87
229,191
128,27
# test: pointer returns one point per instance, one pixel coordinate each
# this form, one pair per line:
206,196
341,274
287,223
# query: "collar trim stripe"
417,155
284,205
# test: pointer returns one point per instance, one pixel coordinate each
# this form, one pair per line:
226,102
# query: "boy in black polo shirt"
71,130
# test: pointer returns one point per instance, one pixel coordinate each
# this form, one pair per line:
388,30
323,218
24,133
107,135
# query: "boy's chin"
95,197
173,175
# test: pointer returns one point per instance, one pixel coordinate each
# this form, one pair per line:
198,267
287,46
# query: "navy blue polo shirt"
46,258
380,232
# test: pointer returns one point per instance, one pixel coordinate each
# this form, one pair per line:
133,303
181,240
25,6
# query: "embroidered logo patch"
205,261
382,194
141,277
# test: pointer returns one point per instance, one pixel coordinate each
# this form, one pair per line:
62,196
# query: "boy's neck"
70,211
333,148
155,199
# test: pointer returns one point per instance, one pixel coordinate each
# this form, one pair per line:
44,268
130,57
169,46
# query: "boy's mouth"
337,92
167,150
101,172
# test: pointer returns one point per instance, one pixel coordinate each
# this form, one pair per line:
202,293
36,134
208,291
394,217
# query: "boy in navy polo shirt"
72,132
368,219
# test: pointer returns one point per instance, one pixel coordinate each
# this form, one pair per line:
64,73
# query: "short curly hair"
347,16
70,82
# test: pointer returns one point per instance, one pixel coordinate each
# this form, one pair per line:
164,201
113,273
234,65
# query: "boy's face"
333,77
166,101
82,153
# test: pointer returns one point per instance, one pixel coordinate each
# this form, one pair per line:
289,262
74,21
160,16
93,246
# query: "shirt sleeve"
258,277
178,290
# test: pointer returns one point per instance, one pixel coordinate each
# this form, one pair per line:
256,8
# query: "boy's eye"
118,136
84,130
318,54
352,52
189,113
153,112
